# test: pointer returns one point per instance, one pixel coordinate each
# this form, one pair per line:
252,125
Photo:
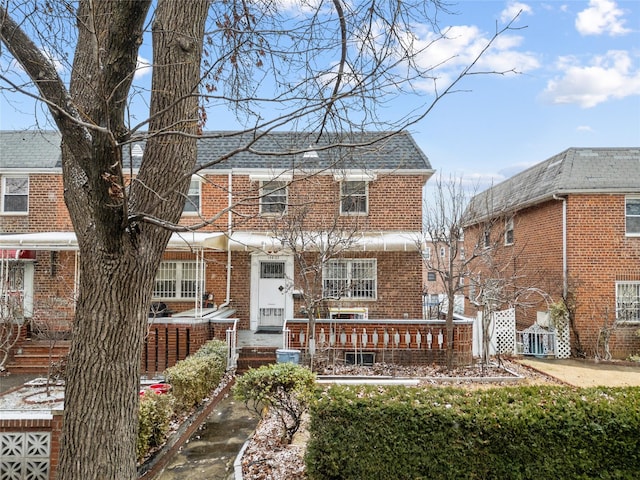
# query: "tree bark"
119,259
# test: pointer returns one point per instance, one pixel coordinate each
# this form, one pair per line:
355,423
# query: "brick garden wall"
402,346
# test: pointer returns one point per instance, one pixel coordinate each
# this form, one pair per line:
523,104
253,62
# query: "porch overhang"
67,241
363,242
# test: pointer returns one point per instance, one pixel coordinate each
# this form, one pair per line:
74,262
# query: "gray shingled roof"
33,149
30,149
576,170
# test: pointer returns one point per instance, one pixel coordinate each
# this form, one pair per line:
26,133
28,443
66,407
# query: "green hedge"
193,379
286,388
445,433
156,412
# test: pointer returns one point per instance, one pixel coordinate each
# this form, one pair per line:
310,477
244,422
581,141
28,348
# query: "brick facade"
598,254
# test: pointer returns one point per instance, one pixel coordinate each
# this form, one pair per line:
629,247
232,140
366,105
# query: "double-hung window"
15,195
353,197
350,278
508,232
177,280
273,197
632,215
192,202
628,301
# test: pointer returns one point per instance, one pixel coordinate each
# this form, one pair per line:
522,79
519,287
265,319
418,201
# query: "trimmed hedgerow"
193,379
156,411
515,433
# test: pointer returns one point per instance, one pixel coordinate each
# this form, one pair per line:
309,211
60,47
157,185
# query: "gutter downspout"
565,286
227,298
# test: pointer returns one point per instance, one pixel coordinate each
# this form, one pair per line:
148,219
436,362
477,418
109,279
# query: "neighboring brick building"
570,226
237,261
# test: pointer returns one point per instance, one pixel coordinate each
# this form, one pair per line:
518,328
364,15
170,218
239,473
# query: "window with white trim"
177,280
273,197
628,301
353,197
426,253
15,194
350,278
632,215
508,232
192,202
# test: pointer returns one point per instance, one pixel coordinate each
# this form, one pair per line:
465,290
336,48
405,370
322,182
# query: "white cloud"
463,43
606,77
143,68
602,17
512,10
584,128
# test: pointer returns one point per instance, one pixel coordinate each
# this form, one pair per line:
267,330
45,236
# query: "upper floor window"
508,232
353,197
15,194
632,215
177,280
350,278
192,202
273,197
443,252
426,253
628,301
486,238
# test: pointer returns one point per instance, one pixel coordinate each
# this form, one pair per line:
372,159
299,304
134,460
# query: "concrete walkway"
587,373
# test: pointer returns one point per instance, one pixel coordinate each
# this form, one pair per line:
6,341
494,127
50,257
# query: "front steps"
255,357
35,356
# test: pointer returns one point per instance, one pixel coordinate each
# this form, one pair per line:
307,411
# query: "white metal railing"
285,336
232,343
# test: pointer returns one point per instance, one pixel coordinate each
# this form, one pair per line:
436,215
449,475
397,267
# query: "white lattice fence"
505,331
24,455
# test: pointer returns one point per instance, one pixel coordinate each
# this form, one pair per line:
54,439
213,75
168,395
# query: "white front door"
271,300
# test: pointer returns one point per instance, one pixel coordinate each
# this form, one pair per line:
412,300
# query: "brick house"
570,227
237,267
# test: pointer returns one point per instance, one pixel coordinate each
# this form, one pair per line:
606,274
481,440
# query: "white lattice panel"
24,455
505,331
564,344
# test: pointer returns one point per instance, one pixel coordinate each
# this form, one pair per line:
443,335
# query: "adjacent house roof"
576,170
30,149
274,150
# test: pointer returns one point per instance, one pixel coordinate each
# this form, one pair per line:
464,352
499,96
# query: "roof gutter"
565,282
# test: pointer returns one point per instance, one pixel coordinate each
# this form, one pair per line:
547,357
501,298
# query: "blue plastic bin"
287,356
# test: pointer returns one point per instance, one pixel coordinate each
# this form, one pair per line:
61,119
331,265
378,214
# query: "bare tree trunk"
449,329
118,257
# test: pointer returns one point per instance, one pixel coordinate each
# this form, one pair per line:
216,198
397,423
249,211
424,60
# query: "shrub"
286,388
515,433
195,377
156,411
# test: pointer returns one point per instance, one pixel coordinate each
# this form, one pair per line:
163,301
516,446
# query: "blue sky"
578,86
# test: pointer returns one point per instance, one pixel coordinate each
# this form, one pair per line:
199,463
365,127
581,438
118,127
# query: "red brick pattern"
598,254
